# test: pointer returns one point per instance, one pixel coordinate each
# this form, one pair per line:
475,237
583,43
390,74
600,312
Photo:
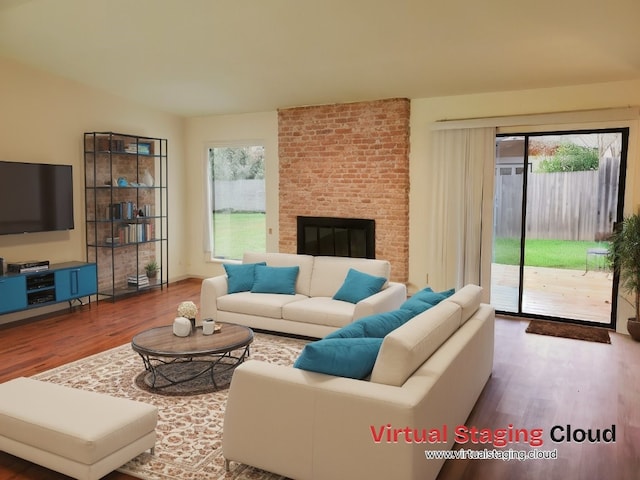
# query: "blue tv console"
59,283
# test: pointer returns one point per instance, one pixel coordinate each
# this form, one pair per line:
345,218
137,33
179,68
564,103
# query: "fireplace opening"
337,237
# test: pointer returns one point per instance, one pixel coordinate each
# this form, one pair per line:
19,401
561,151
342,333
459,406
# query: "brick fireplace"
348,161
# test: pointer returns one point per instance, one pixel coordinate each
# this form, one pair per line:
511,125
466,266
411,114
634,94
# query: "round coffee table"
172,360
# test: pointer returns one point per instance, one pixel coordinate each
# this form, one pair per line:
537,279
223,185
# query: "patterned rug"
189,444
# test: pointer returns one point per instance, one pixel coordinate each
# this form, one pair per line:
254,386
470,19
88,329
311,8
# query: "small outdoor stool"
78,433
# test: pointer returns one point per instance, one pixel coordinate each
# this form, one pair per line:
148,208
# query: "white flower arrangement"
187,310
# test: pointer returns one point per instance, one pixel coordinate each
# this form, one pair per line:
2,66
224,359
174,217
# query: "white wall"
42,120
203,132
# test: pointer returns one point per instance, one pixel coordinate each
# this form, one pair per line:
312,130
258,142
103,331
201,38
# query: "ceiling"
205,57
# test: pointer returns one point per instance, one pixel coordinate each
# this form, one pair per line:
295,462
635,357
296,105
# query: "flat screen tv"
35,197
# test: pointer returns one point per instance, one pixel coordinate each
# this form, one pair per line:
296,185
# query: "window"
237,196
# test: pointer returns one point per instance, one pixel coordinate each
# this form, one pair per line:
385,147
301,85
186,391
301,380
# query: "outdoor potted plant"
624,255
152,269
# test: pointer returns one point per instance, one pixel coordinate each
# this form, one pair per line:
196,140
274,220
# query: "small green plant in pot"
152,269
624,255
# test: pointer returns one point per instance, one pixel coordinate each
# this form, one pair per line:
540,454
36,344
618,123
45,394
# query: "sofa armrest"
273,411
211,289
385,300
289,421
269,411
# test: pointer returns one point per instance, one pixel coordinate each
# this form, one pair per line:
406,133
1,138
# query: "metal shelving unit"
126,209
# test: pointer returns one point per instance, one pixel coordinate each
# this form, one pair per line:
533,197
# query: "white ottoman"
82,434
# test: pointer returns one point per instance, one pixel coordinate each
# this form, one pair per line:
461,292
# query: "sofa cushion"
305,262
258,304
358,286
240,277
425,299
409,346
377,326
280,280
329,272
343,357
319,311
468,297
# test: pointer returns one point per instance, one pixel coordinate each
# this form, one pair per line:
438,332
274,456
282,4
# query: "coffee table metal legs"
212,365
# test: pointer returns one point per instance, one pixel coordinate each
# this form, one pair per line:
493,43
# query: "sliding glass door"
557,198
508,214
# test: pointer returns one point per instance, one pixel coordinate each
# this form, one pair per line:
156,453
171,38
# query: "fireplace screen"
339,237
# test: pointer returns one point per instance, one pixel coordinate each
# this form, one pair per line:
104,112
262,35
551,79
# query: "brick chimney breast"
351,161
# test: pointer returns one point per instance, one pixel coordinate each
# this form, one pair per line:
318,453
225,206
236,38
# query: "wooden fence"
562,206
239,195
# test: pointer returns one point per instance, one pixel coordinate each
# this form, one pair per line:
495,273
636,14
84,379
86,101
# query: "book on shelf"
140,148
135,232
128,211
121,211
139,280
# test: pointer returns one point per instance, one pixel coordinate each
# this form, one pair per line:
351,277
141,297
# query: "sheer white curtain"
207,217
461,209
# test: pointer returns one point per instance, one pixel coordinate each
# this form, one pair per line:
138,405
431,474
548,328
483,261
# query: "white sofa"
311,311
305,425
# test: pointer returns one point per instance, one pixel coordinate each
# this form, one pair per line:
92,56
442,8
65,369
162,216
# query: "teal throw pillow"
415,306
240,277
376,326
275,280
384,323
358,286
351,330
425,299
342,357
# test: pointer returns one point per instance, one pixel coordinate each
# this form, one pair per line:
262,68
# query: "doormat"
577,332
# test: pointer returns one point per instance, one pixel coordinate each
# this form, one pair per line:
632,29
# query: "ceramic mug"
208,326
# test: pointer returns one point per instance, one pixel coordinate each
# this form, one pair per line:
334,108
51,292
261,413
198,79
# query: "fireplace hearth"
339,237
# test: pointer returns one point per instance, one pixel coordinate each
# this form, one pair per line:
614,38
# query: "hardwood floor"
537,382
540,382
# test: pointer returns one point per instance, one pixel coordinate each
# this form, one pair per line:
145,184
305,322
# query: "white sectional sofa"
310,309
427,376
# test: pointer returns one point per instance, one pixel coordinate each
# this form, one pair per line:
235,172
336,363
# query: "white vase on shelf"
147,179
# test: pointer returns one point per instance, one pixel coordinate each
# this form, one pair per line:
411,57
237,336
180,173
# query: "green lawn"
236,233
544,253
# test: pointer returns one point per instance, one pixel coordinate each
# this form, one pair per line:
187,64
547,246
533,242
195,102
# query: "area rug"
189,430
577,332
